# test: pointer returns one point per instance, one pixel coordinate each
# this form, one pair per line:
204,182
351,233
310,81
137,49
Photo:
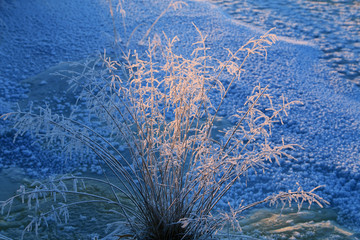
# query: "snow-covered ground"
41,34
331,25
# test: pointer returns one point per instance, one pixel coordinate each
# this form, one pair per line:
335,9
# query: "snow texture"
36,35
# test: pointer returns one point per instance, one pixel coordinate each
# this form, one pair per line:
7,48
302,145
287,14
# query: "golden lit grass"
163,107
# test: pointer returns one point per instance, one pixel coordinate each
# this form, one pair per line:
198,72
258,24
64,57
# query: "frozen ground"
332,25
38,35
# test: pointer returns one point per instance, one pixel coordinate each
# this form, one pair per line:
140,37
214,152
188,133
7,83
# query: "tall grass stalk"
120,8
173,172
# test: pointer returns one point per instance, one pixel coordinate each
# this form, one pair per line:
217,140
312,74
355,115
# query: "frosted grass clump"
174,172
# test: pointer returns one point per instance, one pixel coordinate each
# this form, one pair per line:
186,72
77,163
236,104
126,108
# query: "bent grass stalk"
175,172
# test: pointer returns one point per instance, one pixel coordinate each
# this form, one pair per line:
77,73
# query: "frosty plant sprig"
120,8
173,172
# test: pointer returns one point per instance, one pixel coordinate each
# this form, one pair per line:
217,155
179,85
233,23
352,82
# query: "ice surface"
327,125
332,25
